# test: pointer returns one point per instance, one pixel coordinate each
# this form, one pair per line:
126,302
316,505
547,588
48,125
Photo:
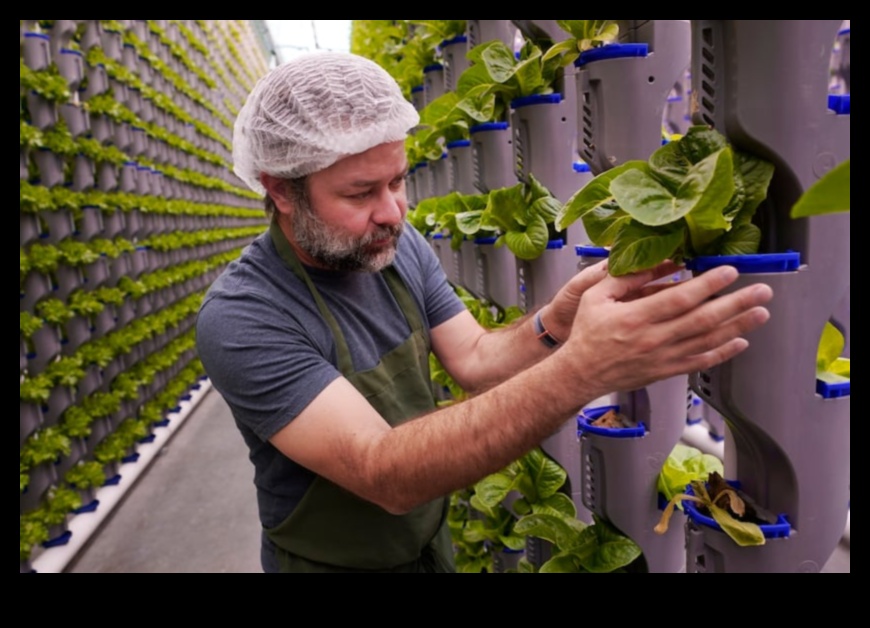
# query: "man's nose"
391,208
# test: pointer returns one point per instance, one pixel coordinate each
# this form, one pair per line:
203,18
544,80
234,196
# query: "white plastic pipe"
847,534
699,437
83,526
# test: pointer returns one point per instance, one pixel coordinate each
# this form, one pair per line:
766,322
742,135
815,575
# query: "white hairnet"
307,114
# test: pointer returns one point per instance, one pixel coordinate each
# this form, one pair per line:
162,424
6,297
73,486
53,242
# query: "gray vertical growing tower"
623,90
764,84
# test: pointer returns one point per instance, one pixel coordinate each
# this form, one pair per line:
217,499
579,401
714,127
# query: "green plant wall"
128,211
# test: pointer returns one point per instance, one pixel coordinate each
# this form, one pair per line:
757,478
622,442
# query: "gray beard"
337,251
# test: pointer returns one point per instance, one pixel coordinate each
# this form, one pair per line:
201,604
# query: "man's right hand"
628,334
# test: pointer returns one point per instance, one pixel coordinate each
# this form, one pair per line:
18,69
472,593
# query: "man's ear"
277,190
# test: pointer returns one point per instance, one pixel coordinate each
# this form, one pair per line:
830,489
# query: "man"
318,336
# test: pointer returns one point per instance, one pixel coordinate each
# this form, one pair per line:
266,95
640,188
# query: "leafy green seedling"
725,505
831,193
695,196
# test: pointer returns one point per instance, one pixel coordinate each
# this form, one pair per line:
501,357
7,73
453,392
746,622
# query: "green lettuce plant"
76,422
85,475
456,214
695,196
585,35
28,324
684,465
522,215
496,77
830,366
35,389
831,193
581,548
44,446
726,505
54,311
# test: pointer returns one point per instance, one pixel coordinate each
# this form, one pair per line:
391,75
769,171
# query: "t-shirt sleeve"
441,300
261,361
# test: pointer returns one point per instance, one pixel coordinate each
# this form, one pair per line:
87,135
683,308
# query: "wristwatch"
548,339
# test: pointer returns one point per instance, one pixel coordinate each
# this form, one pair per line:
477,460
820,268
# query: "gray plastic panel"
467,270
481,31
544,141
621,101
496,274
493,160
433,85
445,254
540,279
564,448
790,448
441,180
455,63
619,475
461,161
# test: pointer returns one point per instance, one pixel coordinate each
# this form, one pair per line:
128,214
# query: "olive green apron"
333,530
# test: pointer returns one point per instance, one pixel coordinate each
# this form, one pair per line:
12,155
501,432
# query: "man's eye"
362,195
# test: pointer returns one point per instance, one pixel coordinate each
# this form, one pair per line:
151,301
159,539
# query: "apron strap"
400,292
345,363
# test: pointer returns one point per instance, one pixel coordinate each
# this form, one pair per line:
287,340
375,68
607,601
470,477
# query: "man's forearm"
502,353
454,447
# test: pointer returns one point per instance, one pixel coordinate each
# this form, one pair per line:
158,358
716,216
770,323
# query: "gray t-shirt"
269,353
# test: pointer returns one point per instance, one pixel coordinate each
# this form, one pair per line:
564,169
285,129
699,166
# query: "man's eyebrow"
363,183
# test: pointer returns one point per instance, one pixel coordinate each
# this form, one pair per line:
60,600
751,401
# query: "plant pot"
112,44
78,450
544,129
710,550
29,420
50,167
37,51
129,58
102,128
140,141
36,286
77,119
107,176
42,477
433,82
45,344
23,163
113,223
98,81
96,274
89,223
29,229
620,468
621,94
104,322
83,173
134,100
59,225
69,279
123,135
70,64
91,34
59,400
118,268
77,331
493,156
441,181
128,174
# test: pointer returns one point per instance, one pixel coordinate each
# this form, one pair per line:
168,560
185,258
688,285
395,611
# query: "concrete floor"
194,509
